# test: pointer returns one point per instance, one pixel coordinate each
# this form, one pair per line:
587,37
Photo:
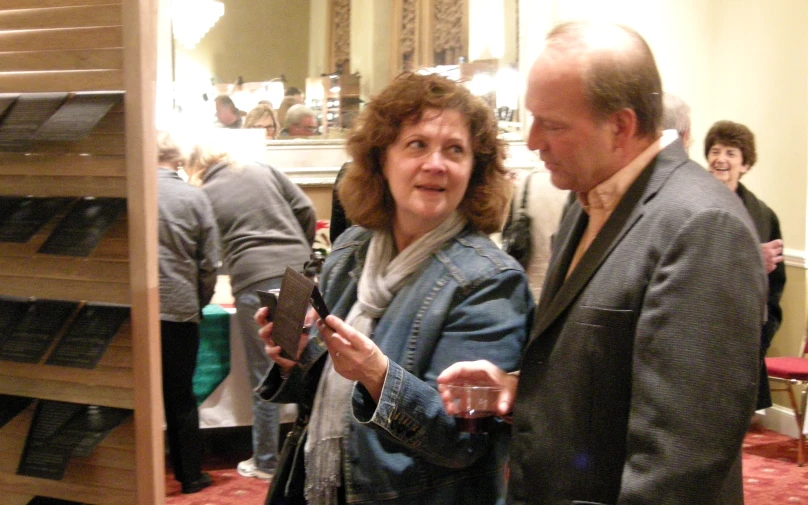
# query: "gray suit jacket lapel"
558,293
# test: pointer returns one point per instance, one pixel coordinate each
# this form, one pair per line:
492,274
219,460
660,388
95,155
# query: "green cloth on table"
213,359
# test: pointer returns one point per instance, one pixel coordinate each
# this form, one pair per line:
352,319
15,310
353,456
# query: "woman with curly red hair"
414,286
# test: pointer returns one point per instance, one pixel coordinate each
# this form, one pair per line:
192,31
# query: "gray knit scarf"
383,274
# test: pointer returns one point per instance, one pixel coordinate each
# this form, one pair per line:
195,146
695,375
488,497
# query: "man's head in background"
227,113
301,121
676,116
294,93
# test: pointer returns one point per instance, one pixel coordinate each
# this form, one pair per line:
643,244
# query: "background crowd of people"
291,119
656,283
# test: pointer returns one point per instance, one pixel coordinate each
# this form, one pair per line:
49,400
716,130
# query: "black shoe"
197,485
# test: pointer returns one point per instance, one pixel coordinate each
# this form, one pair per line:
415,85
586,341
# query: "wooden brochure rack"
78,48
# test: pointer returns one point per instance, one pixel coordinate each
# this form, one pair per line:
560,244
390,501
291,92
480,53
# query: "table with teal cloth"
213,359
221,382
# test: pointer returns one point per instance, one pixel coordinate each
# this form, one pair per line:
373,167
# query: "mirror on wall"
336,52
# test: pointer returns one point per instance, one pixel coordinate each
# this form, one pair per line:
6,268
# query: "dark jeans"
180,344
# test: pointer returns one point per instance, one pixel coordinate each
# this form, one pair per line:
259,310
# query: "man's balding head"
596,99
619,70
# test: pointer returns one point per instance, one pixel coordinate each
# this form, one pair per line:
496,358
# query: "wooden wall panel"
37,4
82,59
112,249
41,82
62,165
88,378
66,391
66,268
63,186
80,492
65,289
16,499
62,39
61,17
99,144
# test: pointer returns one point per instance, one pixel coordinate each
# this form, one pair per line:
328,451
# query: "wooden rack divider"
75,46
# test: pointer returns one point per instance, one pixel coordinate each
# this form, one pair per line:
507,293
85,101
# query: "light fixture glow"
274,92
191,19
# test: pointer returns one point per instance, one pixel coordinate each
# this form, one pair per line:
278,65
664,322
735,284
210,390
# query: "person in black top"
730,151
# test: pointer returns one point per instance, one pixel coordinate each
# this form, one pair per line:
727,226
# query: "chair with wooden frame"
790,374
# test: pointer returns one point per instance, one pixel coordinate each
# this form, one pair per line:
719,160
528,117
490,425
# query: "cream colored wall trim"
795,258
307,162
779,419
313,176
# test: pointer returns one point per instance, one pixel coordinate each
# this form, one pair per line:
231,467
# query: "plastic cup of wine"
475,406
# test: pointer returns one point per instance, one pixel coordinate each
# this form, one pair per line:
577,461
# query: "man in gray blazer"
640,376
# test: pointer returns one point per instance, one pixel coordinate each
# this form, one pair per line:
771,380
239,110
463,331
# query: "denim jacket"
470,301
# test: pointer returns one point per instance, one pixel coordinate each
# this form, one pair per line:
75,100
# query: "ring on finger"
336,354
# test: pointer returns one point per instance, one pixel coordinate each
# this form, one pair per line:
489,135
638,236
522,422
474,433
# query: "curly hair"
732,134
363,190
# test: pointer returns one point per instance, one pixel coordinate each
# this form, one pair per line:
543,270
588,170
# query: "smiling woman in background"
730,152
415,287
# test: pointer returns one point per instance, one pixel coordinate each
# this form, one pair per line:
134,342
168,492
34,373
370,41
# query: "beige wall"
318,38
370,37
255,40
321,198
744,60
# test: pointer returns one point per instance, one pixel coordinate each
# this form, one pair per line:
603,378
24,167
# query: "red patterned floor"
229,488
771,476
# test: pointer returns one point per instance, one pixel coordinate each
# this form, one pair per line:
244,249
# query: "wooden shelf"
337,109
110,383
107,477
73,46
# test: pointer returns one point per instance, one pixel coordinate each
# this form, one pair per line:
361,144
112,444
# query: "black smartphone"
318,303
268,299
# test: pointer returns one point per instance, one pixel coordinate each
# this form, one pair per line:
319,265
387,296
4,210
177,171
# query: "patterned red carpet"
771,476
224,448
229,488
770,471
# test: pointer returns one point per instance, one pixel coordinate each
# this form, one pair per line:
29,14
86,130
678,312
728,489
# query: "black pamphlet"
297,291
6,101
63,430
77,117
41,456
22,217
11,406
7,205
11,311
43,500
27,340
84,226
25,116
88,337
